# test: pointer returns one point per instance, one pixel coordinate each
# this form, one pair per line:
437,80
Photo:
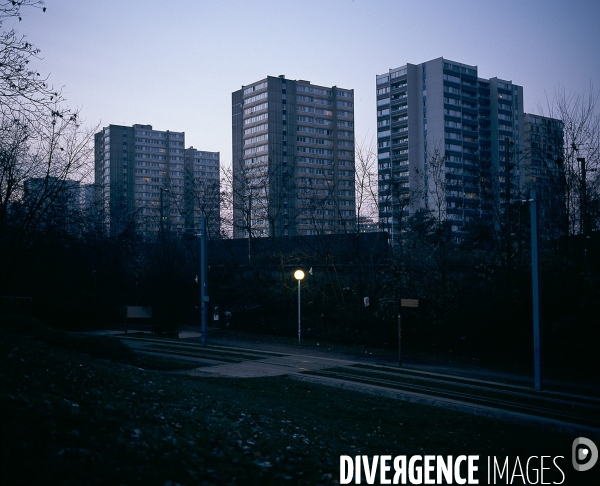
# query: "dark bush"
104,347
21,324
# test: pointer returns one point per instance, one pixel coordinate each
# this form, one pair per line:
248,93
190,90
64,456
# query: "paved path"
278,366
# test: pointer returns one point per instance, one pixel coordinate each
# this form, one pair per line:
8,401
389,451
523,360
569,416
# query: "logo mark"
585,454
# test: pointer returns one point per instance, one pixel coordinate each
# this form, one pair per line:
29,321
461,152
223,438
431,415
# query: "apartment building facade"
202,190
442,133
293,159
140,179
542,160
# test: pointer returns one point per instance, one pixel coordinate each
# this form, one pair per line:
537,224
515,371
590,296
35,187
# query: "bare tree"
44,151
40,175
367,206
579,176
225,203
25,94
437,184
246,197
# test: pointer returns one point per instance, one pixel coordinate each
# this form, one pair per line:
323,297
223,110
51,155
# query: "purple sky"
175,64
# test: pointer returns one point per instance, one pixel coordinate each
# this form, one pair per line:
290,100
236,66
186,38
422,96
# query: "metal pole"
203,282
160,226
249,227
299,332
399,339
535,274
507,207
582,198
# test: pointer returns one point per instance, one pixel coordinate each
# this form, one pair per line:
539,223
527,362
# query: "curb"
456,405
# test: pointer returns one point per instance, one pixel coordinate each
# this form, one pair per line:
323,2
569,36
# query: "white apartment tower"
441,134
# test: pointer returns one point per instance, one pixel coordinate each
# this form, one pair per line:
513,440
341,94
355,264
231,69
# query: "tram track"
560,411
212,354
580,412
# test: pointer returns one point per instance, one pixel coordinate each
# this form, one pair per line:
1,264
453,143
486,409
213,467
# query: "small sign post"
399,339
403,303
203,282
536,292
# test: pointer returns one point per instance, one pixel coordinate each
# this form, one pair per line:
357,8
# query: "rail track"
569,408
562,411
209,355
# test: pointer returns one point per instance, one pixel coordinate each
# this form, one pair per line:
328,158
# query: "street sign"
409,303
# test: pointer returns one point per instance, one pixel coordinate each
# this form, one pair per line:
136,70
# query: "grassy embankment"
79,410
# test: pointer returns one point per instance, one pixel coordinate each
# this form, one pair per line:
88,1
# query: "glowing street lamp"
299,275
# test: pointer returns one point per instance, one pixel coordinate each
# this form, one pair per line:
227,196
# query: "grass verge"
71,418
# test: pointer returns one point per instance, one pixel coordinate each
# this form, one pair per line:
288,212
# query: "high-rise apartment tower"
293,159
202,190
140,176
441,134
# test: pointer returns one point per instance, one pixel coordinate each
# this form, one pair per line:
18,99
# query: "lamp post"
162,215
160,226
536,291
583,228
203,281
507,196
299,275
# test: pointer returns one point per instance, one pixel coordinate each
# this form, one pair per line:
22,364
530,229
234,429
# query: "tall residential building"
441,142
293,159
541,167
140,178
202,190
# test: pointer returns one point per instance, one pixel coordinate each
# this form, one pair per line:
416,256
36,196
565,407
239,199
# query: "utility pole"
583,229
249,227
203,281
399,338
536,291
160,226
507,206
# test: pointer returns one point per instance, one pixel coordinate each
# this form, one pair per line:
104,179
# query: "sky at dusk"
174,64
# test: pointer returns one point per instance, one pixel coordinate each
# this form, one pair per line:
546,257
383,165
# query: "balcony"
400,160
399,108
470,113
402,121
400,130
399,97
469,100
401,165
397,87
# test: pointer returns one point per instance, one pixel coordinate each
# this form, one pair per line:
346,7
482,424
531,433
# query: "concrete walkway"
279,366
